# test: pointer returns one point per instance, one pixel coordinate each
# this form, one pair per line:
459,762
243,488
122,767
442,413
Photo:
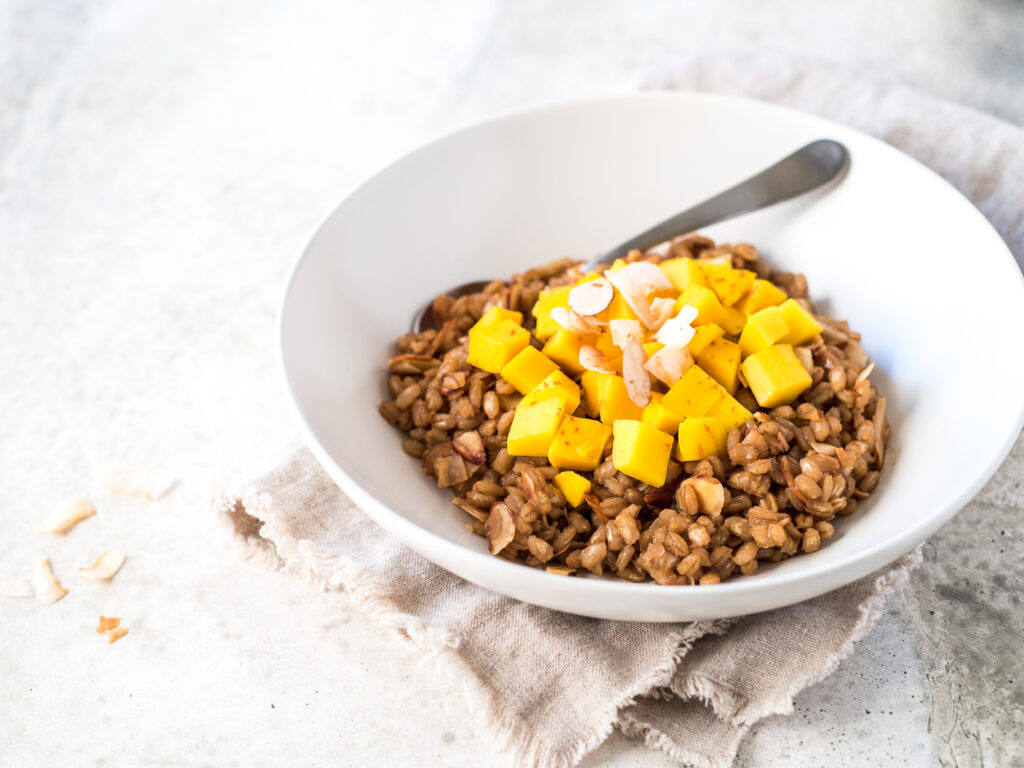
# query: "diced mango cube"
775,375
704,335
534,426
618,265
494,314
641,451
730,412
579,444
651,347
761,294
660,417
721,359
802,326
709,308
564,349
573,486
618,309
594,385
548,300
733,320
716,266
700,437
694,394
730,285
763,328
612,354
528,369
555,385
493,345
615,403
683,273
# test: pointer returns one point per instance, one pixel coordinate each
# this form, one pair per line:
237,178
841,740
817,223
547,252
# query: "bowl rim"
853,567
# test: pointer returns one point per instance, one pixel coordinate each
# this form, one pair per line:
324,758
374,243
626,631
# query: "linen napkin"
552,686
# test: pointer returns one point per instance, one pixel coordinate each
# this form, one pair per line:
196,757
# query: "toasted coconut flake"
638,380
560,570
593,359
470,446
115,634
583,326
14,586
647,277
866,372
687,314
676,332
805,357
636,300
104,568
661,310
500,528
107,623
67,516
624,330
669,364
48,589
592,297
710,494
561,316
411,364
143,483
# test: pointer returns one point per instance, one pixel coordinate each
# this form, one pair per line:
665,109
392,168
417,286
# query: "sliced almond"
143,483
48,589
805,357
14,586
676,332
636,300
107,623
866,372
115,634
661,311
647,277
593,359
561,316
104,568
583,326
500,528
880,426
67,516
470,446
624,330
669,364
638,380
710,494
592,297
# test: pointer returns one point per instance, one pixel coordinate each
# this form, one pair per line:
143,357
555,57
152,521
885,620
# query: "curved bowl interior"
893,248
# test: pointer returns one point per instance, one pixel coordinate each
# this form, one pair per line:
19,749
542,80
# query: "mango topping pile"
650,356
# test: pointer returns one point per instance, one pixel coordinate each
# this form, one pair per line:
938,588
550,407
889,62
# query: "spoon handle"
804,170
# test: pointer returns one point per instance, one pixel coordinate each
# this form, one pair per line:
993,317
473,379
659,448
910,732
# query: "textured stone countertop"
160,166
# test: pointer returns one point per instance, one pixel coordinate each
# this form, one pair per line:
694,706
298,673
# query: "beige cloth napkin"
551,686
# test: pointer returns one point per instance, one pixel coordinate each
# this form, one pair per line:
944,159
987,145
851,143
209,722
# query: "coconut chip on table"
104,568
48,589
143,483
67,516
14,586
111,628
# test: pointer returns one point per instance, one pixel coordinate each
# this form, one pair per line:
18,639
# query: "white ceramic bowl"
893,248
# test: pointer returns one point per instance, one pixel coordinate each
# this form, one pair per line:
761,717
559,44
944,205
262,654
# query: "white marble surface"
160,165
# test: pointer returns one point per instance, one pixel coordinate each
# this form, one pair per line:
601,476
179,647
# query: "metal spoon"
808,168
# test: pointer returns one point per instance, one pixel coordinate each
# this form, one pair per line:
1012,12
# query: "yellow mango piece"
651,347
547,301
555,385
694,393
683,273
579,444
534,427
730,412
641,451
721,359
612,354
700,437
593,391
761,294
494,314
572,486
618,309
704,335
733,321
802,326
492,346
618,265
730,285
709,308
715,267
564,349
614,403
775,375
528,369
660,417
763,328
